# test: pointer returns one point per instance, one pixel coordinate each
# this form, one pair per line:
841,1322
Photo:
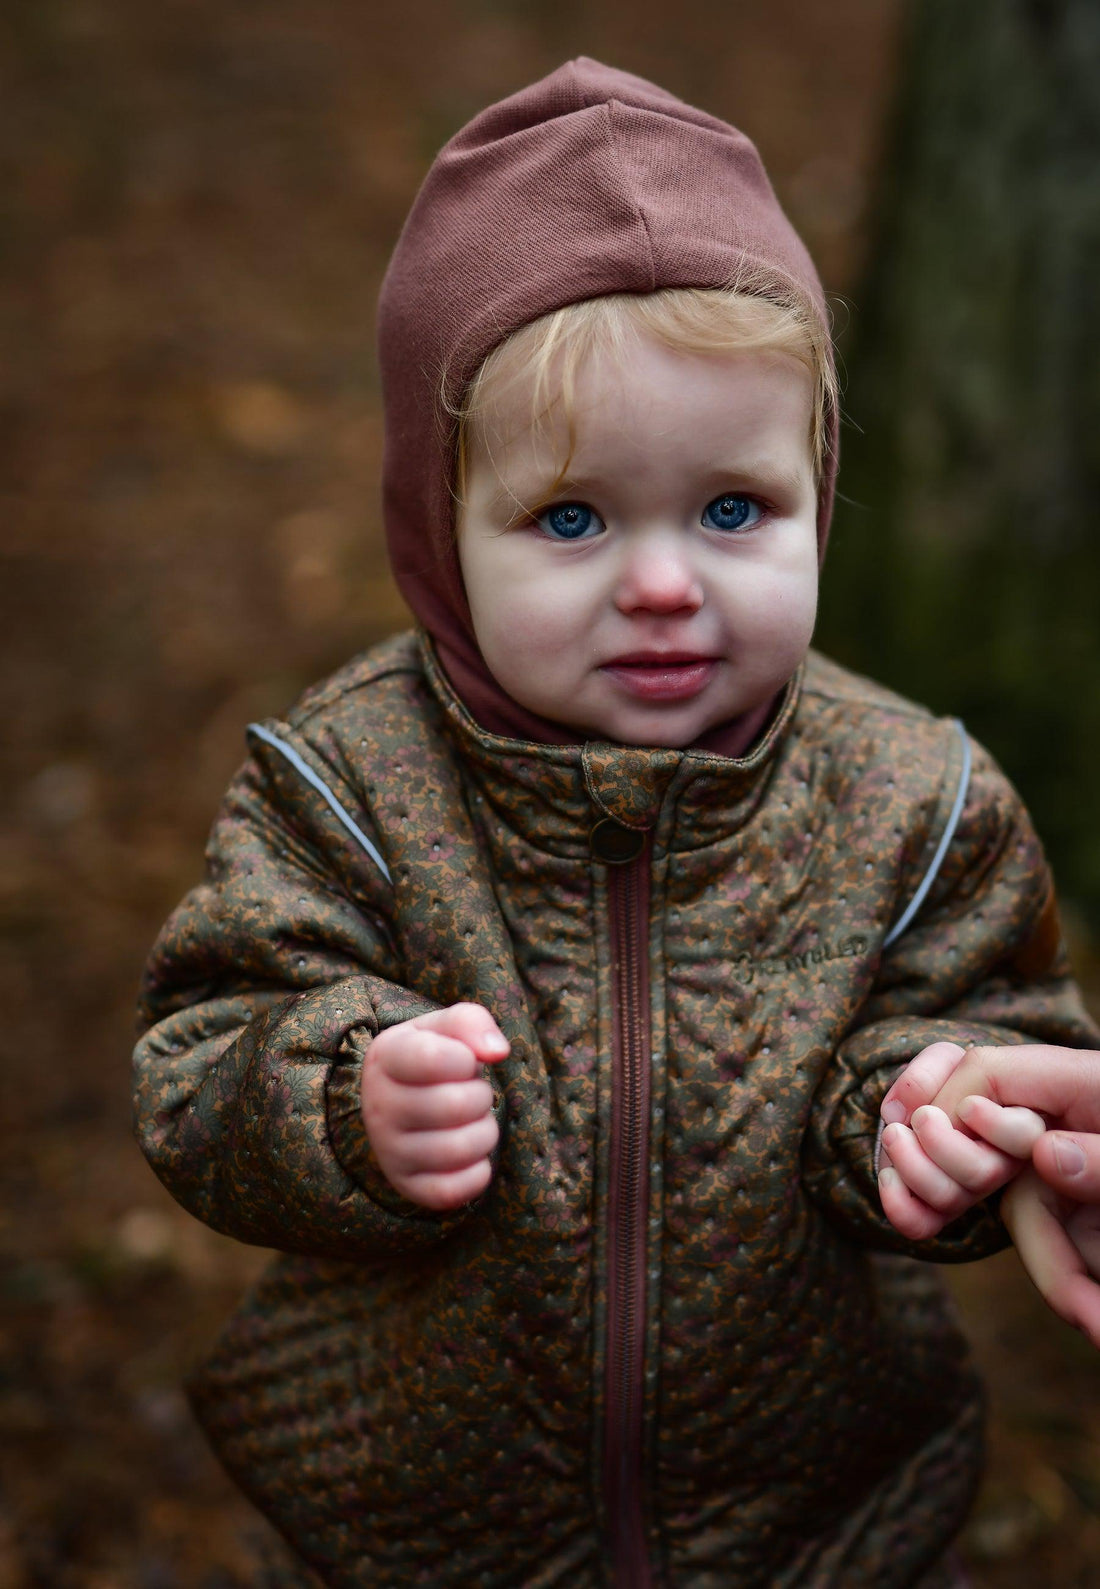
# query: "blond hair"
549,352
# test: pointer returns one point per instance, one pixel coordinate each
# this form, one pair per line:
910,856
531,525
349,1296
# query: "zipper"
628,1207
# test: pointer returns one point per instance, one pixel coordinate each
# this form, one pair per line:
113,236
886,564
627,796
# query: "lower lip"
677,681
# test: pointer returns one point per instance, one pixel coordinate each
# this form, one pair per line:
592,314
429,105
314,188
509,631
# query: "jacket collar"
554,795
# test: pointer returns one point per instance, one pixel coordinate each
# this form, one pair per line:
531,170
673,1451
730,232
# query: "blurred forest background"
199,198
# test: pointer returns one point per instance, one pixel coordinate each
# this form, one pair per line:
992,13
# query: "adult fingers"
1083,1230
1033,1213
921,1080
1061,1083
470,1024
974,1165
1070,1162
1011,1128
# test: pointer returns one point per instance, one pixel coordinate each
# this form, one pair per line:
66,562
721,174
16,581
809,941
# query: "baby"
553,962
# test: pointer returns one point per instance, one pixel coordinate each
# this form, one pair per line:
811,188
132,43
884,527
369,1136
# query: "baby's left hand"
932,1168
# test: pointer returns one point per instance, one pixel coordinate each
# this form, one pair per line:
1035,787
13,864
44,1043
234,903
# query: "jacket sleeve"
259,1001
983,963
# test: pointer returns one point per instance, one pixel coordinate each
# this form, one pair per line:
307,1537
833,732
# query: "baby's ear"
920,1081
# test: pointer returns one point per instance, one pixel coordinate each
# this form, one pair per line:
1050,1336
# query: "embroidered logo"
747,968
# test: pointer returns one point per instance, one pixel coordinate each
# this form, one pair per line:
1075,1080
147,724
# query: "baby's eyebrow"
766,474
531,496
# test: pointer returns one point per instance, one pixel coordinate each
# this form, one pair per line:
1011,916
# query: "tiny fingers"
470,1024
923,1178
447,1105
906,1213
920,1081
418,1153
1012,1129
422,1057
975,1166
443,1191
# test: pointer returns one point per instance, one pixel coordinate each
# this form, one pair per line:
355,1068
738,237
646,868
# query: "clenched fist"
427,1108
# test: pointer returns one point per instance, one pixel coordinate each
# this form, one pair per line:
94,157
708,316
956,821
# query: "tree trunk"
965,564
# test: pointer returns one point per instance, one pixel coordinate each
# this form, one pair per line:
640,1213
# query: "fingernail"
920,1115
1067,1155
887,1176
893,1112
967,1107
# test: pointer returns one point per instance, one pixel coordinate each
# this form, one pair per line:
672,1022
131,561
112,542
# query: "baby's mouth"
676,676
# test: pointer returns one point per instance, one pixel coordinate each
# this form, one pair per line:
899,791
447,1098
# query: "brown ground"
200,198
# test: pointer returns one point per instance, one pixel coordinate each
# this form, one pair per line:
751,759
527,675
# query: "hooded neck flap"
589,182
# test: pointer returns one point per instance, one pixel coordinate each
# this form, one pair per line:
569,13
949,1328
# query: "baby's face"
669,583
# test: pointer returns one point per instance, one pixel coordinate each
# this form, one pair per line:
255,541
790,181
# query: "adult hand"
929,1170
1058,1241
1053,1210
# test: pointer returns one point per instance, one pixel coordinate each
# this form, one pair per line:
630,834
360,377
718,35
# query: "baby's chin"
650,729
598,709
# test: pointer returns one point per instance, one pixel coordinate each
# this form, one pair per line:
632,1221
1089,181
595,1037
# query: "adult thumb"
1069,1161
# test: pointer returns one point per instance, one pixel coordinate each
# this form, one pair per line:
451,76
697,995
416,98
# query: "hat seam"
612,106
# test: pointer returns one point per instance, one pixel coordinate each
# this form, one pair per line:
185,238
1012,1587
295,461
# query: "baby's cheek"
531,631
532,645
778,624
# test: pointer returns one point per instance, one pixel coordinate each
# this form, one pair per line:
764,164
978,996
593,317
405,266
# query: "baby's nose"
658,576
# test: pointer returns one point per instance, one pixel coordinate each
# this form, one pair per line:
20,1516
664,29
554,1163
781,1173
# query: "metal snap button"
613,844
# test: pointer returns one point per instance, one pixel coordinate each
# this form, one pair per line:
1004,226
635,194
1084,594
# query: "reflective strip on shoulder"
944,845
322,788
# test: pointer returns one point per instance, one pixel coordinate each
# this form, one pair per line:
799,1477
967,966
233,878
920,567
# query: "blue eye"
569,521
732,512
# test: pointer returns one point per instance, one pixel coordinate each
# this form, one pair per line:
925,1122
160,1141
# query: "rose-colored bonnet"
590,181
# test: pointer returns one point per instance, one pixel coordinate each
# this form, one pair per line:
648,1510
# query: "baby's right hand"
427,1108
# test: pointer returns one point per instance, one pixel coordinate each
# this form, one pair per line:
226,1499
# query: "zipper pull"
614,844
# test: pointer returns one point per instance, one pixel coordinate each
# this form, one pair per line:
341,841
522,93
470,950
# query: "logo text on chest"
747,967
